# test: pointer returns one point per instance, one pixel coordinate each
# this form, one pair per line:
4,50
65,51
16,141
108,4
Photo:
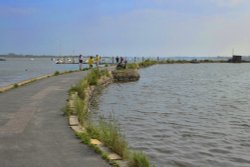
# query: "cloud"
174,28
158,32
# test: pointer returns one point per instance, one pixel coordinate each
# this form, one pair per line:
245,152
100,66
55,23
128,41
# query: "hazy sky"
125,27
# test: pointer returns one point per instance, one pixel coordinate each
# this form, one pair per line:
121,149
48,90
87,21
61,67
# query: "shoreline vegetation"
149,62
102,135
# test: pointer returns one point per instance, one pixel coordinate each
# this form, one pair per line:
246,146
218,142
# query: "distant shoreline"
129,57
33,56
181,59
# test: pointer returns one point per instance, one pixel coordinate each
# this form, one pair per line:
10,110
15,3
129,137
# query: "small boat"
59,61
2,59
69,60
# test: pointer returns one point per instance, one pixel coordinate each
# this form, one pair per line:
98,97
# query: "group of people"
121,62
91,61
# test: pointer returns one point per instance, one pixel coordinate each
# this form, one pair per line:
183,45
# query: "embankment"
102,135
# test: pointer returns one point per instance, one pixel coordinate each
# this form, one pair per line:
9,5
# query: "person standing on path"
117,59
121,60
80,59
91,61
97,60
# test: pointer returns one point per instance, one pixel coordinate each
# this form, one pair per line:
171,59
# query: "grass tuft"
66,110
109,133
138,159
56,73
147,63
15,85
85,138
81,110
132,66
80,88
105,156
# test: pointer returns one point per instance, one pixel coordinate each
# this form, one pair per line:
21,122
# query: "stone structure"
126,75
236,59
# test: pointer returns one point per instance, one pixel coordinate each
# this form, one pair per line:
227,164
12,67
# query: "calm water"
17,69
189,115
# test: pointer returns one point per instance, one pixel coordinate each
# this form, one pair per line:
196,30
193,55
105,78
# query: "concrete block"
73,121
78,129
114,156
111,155
95,142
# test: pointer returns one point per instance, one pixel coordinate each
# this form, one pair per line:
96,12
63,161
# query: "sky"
165,28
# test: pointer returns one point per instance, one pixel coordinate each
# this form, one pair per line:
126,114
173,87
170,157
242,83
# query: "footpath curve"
33,130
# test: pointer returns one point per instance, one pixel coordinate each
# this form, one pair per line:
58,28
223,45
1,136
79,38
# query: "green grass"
96,149
132,66
81,110
105,156
85,69
138,159
95,75
80,88
66,110
147,63
91,79
15,85
109,133
110,136
85,138
56,73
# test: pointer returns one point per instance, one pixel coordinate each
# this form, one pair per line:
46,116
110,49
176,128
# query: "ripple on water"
179,163
185,115
219,151
240,160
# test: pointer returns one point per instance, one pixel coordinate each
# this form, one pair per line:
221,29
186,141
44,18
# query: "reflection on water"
189,115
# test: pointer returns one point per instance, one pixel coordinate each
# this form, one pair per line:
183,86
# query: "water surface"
185,115
17,69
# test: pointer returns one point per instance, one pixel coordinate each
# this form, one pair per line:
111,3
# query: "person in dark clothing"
80,62
117,59
121,60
